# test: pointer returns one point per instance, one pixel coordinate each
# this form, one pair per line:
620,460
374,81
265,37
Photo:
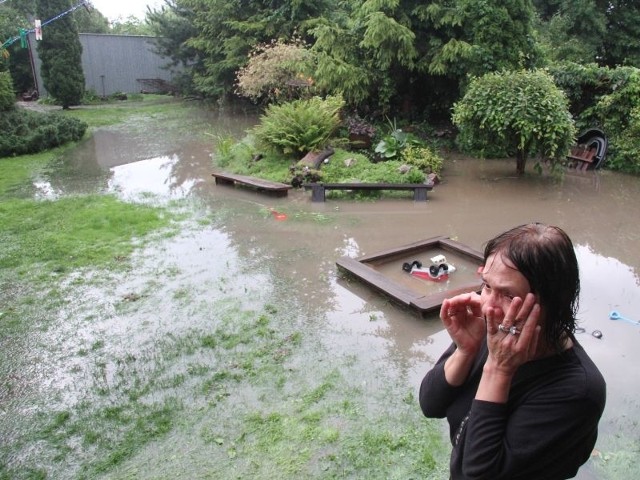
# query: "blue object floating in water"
614,315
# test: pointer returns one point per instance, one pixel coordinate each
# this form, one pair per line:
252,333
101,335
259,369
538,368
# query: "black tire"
433,271
406,267
444,267
416,263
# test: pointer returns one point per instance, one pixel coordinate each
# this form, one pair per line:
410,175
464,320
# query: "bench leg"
420,194
317,193
224,181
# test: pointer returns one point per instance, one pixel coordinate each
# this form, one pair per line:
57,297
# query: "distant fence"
116,63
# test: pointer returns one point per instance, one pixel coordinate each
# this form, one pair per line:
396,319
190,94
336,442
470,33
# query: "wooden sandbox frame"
362,269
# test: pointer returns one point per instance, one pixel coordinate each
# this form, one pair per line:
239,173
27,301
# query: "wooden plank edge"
377,280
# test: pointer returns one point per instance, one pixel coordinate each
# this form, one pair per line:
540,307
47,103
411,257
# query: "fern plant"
300,126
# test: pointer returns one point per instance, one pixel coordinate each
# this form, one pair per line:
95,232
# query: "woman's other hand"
462,317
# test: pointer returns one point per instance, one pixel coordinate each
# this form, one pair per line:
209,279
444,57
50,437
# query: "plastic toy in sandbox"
438,271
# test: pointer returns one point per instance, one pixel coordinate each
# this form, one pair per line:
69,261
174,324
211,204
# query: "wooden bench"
318,189
582,156
276,188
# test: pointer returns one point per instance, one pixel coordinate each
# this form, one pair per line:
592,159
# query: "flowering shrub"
276,72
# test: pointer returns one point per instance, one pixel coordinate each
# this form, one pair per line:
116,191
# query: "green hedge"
606,98
25,132
7,95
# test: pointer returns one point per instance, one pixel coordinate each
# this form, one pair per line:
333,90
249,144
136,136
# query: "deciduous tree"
521,112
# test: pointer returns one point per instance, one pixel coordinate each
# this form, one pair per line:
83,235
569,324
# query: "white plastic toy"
438,269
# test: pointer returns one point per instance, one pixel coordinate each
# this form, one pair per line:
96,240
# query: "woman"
522,397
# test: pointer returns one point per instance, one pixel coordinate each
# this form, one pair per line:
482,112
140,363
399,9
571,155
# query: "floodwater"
300,240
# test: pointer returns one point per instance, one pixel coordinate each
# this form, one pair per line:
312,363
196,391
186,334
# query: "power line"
25,32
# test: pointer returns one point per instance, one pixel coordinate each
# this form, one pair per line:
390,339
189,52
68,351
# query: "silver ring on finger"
513,330
503,328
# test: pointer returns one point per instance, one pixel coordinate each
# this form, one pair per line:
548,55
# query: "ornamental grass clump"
300,126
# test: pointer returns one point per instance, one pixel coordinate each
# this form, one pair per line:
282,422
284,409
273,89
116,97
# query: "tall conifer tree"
60,51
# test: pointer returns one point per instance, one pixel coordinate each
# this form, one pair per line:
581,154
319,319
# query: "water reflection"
154,176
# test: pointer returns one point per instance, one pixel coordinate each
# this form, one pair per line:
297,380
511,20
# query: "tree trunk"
521,160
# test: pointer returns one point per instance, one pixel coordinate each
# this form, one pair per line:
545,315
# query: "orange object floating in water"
278,215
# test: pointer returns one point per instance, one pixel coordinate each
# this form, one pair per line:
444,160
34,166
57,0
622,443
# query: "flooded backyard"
240,250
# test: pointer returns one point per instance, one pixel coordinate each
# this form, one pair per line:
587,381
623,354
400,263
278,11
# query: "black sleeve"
435,393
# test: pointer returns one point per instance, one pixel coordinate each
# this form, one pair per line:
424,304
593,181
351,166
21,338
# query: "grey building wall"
114,63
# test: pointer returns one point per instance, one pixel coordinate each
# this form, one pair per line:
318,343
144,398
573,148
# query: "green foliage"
394,142
173,25
521,112
422,157
388,40
300,126
585,84
277,71
365,51
621,44
586,31
27,132
619,114
225,32
476,37
131,25
572,32
349,167
624,151
229,152
7,95
72,232
606,98
60,51
91,21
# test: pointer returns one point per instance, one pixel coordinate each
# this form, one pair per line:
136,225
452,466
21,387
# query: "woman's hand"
513,340
462,317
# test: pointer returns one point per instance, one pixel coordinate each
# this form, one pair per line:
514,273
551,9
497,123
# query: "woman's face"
501,284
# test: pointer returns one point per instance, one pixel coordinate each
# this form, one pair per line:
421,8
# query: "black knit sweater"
546,430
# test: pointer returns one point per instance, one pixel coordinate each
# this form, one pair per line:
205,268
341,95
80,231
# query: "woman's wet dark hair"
544,254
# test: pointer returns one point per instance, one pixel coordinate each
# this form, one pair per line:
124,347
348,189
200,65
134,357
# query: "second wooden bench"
318,189
583,156
275,188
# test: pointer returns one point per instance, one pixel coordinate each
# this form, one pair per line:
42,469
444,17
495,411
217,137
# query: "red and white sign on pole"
38,30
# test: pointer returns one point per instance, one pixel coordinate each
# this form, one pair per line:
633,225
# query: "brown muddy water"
249,249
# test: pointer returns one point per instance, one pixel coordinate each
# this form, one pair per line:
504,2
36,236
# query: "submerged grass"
123,111
18,170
